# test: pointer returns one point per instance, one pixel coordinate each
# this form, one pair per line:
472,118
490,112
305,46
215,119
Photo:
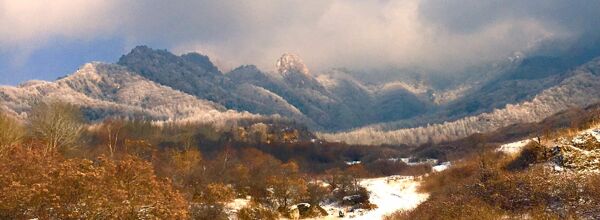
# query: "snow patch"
234,207
441,167
514,147
390,194
353,162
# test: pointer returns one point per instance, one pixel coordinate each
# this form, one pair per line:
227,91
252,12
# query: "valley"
289,110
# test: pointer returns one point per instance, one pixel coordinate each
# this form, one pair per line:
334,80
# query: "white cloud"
327,33
32,22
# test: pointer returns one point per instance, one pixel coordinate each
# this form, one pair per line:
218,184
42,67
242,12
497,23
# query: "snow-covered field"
390,194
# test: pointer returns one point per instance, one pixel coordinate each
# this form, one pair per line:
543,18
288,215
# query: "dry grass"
482,187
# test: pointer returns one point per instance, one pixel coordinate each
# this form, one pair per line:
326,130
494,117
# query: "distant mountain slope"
580,87
110,90
293,91
411,107
196,75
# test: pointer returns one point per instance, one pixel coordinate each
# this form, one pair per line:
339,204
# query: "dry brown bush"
11,132
481,188
35,185
255,211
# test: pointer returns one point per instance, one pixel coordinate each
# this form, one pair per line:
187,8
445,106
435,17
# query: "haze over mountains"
407,108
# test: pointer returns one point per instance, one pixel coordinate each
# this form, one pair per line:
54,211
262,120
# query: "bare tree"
112,129
57,124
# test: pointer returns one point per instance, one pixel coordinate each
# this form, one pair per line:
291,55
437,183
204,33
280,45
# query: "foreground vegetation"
56,165
493,185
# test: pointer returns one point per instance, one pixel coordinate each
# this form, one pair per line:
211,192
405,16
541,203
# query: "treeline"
57,165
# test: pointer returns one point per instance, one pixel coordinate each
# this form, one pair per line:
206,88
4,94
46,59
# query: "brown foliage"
33,185
288,185
531,154
255,211
215,193
481,188
58,125
184,163
11,133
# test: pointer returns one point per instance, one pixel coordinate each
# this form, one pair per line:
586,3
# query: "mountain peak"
289,63
144,59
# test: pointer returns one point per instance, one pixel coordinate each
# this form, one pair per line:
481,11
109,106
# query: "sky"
48,39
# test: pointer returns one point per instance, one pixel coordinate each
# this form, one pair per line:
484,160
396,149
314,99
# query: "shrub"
11,132
532,153
255,211
215,193
57,124
481,188
208,212
35,185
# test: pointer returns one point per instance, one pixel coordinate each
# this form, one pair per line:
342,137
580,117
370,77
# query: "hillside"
414,109
330,101
105,90
578,87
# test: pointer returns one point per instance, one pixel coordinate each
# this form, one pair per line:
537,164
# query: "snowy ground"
514,147
233,207
583,135
571,151
390,194
441,167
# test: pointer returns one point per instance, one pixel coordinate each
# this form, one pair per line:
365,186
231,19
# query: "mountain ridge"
335,103
107,90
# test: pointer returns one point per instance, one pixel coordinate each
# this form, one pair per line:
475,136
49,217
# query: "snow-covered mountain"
103,90
194,74
404,107
579,87
292,92
332,100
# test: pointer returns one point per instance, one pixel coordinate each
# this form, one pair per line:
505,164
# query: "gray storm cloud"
328,33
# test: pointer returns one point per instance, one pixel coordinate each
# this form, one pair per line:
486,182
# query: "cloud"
28,25
31,22
472,15
328,33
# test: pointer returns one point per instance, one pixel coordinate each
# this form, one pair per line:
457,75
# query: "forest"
57,165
